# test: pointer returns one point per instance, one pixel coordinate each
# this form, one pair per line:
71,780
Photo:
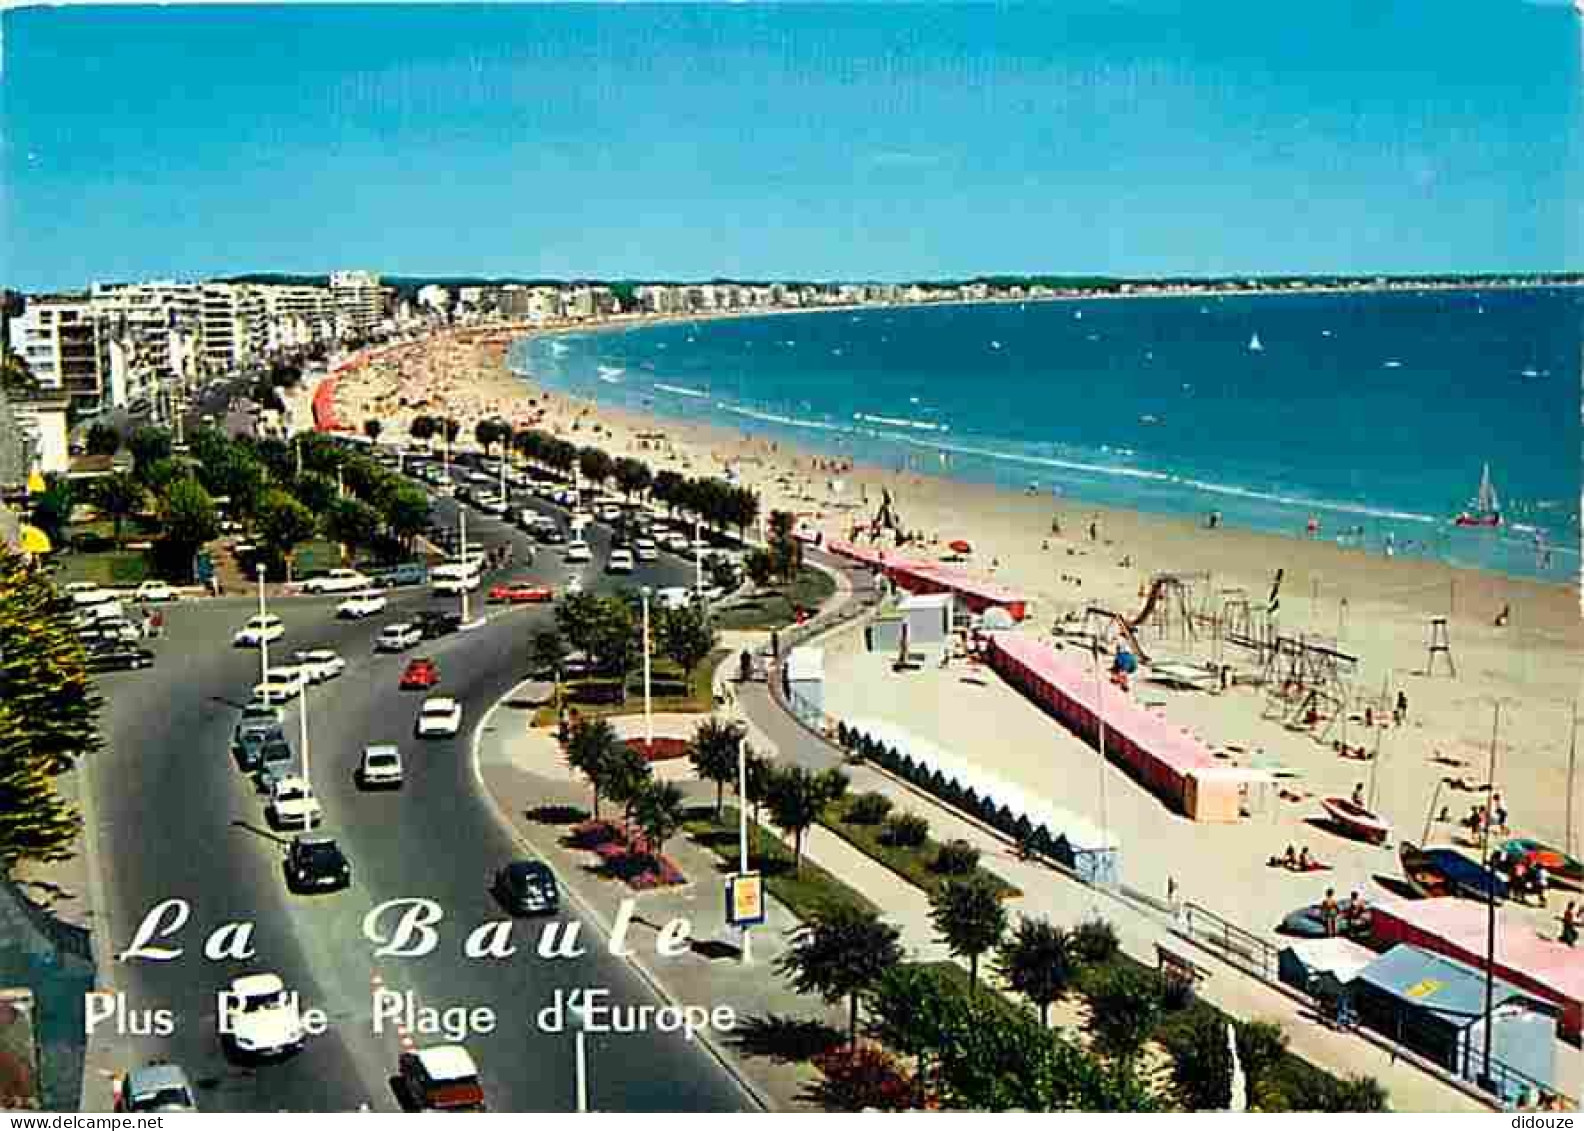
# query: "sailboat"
1255,344
1487,508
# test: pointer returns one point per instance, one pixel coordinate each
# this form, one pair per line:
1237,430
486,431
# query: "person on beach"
1328,912
1358,796
1094,530
1569,935
1400,714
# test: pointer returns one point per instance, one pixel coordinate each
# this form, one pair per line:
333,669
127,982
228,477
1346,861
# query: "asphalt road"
178,821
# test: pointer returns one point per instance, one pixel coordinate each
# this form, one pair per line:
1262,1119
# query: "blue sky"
830,140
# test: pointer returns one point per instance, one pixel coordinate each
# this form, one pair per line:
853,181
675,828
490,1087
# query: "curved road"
177,820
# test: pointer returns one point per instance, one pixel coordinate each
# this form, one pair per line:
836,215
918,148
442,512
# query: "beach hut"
1323,968
1226,793
1435,1006
803,677
884,633
929,618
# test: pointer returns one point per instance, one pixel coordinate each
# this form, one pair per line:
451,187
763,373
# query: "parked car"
262,1018
421,674
442,1078
256,712
577,552
258,743
337,581
440,717
620,561
521,592
86,593
380,767
292,804
407,573
314,863
114,656
319,664
527,887
360,605
111,629
156,1088
551,535
152,591
259,629
646,550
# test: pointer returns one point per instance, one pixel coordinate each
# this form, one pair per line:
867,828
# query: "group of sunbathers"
1299,861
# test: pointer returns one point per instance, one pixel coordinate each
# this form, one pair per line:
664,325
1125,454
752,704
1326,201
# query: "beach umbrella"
996,619
960,546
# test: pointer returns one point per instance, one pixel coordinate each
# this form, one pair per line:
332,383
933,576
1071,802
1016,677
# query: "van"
456,577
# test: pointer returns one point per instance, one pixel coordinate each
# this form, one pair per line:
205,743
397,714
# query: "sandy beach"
1374,608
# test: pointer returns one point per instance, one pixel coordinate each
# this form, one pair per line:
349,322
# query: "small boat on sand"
1356,821
1558,864
1436,872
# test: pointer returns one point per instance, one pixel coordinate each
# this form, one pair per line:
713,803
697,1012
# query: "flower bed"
660,749
630,862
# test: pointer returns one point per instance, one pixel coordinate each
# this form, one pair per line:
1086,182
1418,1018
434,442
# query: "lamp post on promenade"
263,636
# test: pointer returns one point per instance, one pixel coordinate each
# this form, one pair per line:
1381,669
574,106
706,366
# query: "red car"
520,593
421,674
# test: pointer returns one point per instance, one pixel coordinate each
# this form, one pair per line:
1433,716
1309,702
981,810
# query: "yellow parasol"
35,483
34,540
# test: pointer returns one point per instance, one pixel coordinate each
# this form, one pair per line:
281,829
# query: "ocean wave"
902,422
559,349
611,374
683,391
777,418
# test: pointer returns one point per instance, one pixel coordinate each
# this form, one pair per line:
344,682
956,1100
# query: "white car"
440,717
361,605
621,561
337,581
480,477
258,1017
574,584
676,542
86,593
259,630
292,804
153,591
381,767
397,637
492,504
646,550
280,685
610,512
319,664
674,597
577,552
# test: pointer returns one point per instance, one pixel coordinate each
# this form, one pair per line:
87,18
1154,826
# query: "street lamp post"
579,1011
263,636
464,558
302,717
742,828
647,649
698,558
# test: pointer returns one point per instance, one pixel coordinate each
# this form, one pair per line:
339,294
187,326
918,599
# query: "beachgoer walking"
1328,911
1569,925
1094,531
1401,714
1539,881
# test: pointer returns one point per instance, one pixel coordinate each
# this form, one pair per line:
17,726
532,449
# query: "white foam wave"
560,349
611,374
777,418
683,391
902,422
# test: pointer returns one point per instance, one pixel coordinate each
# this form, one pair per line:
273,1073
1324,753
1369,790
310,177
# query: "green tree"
147,445
713,752
797,797
785,550
162,474
120,496
628,775
423,428
16,375
576,615
187,513
1202,1062
1126,1005
687,637
36,823
234,472
450,428
632,476
908,1013
282,522
840,952
761,567
658,811
591,751
102,440
42,676
52,507
372,428
406,513
970,919
595,466
548,652
1037,962
353,523
760,772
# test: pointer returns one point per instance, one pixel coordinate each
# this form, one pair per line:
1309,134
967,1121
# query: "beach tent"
1070,839
928,617
1322,968
803,678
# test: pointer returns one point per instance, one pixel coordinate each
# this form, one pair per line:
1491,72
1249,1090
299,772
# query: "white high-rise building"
359,302
57,337
149,335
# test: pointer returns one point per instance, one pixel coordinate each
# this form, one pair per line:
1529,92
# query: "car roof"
526,867
316,840
290,780
399,626
439,703
447,1062
382,748
153,1078
251,984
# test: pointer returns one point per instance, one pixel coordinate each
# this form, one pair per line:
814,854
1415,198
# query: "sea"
1372,413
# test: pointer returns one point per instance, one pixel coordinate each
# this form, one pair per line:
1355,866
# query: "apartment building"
149,336
359,302
58,338
296,317
234,325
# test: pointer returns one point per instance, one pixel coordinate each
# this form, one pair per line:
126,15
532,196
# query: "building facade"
358,301
58,338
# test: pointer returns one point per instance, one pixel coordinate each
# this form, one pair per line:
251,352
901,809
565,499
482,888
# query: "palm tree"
590,750
1037,962
372,428
658,811
713,753
119,496
797,798
840,953
969,916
